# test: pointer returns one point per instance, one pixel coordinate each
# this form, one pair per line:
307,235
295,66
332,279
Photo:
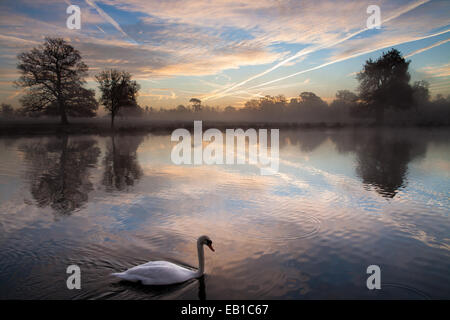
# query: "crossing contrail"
348,57
108,18
311,50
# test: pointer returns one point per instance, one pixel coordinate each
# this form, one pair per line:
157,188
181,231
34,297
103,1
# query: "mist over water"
342,200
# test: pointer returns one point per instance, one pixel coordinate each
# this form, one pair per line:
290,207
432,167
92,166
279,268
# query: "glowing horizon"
230,52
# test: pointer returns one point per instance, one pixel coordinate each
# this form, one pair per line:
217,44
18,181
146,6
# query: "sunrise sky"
226,52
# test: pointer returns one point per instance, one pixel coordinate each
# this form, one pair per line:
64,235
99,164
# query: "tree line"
54,76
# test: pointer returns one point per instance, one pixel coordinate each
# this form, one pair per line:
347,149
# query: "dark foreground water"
343,200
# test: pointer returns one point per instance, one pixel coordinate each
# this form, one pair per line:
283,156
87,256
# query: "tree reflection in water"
58,172
59,167
382,157
383,163
121,167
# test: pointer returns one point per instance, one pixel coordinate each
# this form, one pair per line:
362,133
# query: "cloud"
15,40
153,93
208,65
437,71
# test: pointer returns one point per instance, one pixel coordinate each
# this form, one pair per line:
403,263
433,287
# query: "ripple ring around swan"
408,288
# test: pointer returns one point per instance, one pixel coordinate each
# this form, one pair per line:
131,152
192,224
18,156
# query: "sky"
226,52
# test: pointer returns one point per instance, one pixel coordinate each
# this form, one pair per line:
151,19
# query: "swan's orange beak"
211,247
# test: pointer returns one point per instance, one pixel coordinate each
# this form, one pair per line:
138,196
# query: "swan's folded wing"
157,273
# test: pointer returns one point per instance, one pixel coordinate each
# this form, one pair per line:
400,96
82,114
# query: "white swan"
164,272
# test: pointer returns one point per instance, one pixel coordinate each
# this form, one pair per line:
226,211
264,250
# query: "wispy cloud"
17,40
160,94
437,71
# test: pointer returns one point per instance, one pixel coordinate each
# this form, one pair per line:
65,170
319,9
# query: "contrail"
304,51
108,18
346,58
427,48
306,81
100,29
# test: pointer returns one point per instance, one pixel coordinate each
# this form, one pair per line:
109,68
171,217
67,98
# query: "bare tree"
53,72
80,102
197,104
118,90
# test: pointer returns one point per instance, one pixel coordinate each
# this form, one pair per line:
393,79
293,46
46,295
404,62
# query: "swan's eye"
208,242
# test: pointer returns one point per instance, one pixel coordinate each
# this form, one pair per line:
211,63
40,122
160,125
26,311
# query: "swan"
164,272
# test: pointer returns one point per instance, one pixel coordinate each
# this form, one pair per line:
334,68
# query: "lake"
343,200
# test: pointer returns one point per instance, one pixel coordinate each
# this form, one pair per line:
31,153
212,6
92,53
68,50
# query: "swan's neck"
201,260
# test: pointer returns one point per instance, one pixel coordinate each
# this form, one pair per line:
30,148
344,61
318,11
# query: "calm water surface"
343,200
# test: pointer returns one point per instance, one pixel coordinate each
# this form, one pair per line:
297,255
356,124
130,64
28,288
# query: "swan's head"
205,240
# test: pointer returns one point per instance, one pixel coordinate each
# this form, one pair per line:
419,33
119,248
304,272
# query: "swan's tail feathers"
119,274
125,276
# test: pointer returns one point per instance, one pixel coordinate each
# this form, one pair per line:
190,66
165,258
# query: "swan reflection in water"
166,292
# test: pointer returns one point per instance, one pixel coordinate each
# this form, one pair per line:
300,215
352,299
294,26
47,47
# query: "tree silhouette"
310,99
421,93
346,102
230,109
80,102
346,97
197,104
118,90
308,106
181,108
384,83
54,72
